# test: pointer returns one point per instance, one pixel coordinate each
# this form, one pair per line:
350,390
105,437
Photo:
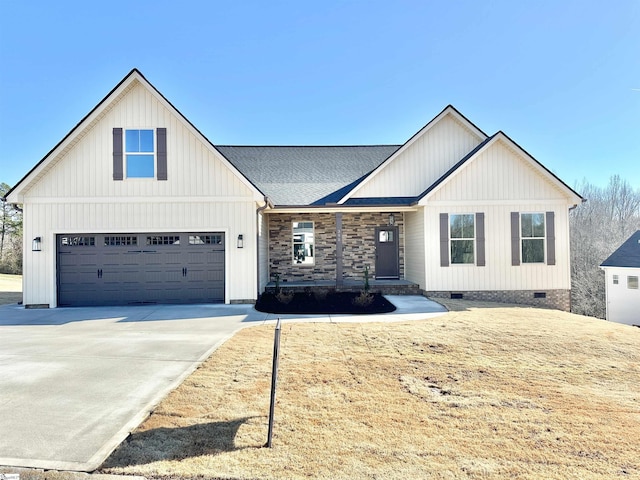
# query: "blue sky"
561,78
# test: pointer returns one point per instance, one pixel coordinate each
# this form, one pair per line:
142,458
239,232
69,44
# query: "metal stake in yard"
274,380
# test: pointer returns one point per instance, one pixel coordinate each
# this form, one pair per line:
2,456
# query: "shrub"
363,300
320,294
284,297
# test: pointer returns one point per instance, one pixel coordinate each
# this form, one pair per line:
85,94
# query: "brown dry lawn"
10,289
486,391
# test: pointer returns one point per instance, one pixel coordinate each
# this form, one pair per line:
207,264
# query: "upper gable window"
140,153
532,237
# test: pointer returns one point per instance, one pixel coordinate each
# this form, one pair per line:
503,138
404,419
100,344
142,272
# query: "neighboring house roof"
627,255
305,175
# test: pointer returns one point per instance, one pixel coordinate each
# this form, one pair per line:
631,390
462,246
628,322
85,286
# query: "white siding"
425,160
47,220
85,170
623,303
77,194
498,173
498,274
497,182
414,253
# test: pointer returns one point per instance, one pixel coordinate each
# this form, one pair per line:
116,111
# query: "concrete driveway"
75,382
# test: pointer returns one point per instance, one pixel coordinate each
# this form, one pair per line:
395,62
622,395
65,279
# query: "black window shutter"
515,238
551,238
161,139
480,260
117,154
444,239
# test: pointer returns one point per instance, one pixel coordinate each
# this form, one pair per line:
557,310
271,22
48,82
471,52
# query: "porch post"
338,249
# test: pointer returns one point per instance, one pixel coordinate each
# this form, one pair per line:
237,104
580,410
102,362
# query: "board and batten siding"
414,264
85,170
76,193
46,220
498,272
497,174
497,182
423,161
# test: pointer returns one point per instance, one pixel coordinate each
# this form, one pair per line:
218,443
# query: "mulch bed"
335,302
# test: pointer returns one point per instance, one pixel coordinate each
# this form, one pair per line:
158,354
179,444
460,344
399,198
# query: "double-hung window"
303,243
462,238
140,153
532,237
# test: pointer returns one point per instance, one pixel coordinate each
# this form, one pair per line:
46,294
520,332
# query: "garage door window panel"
205,239
164,240
118,241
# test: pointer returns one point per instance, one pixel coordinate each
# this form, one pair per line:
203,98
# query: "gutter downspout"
267,203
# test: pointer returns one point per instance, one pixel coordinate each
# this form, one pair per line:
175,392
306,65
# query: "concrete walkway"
75,381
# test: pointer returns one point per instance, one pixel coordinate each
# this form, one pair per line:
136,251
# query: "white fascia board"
257,194
572,197
425,200
449,110
16,195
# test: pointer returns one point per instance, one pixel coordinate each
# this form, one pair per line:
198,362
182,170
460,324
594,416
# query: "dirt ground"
10,289
486,391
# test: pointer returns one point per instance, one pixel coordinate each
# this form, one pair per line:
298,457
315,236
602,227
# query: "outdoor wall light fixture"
392,219
240,241
36,245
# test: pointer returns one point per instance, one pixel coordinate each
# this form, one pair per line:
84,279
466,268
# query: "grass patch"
10,289
480,392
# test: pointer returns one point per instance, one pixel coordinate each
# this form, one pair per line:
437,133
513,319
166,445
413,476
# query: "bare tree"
10,235
598,227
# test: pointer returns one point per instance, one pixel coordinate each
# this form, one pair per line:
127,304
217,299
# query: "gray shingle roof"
301,175
627,255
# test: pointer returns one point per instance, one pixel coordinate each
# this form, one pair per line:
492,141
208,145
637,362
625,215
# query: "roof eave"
14,195
448,110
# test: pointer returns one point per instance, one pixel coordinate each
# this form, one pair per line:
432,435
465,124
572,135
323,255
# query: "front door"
387,256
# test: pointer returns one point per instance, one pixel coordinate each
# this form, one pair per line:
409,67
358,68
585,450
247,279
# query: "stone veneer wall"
557,299
358,239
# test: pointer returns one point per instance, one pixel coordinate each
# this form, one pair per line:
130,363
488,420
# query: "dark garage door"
125,269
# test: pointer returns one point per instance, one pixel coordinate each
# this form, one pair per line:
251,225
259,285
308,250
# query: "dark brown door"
387,261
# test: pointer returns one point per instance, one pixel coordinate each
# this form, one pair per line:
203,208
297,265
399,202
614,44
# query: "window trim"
543,238
312,243
126,154
474,239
